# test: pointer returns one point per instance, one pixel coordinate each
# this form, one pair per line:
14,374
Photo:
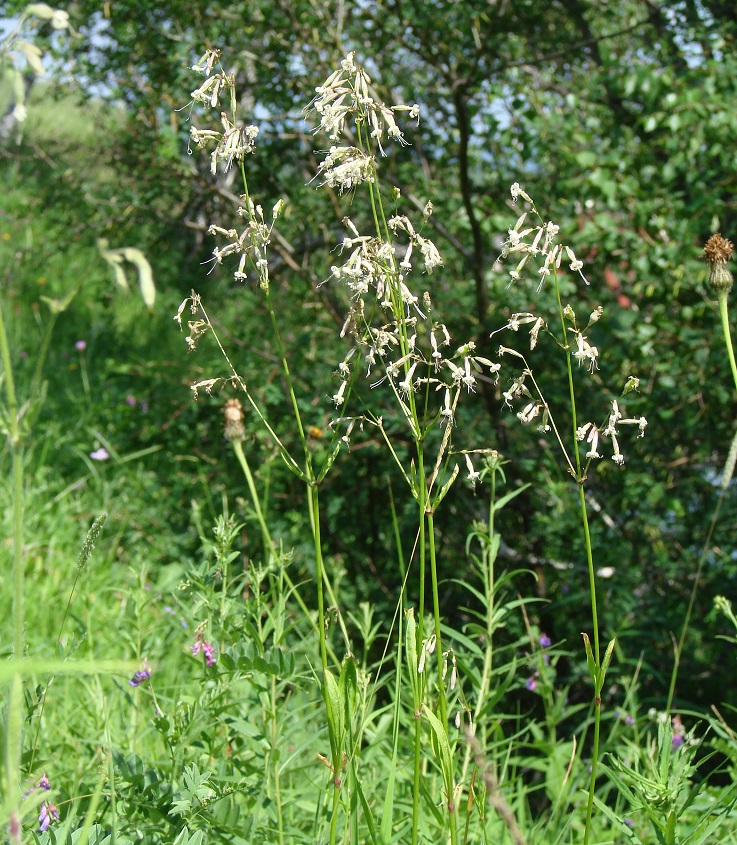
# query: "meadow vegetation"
368,418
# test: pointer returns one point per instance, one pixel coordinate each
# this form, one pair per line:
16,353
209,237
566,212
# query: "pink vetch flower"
531,682
130,400
80,345
100,454
207,648
48,814
544,641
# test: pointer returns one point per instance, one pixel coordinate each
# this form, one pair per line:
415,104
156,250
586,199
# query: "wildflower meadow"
368,413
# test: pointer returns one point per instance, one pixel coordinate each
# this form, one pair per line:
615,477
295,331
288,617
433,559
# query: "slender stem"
14,735
441,682
487,573
597,698
334,815
314,508
724,314
589,561
421,501
269,546
290,386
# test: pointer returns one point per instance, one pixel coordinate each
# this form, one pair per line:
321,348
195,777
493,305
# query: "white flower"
473,476
529,412
339,397
586,352
614,417
517,192
581,431
448,412
429,253
405,385
468,378
345,168
576,265
535,331
593,440
617,457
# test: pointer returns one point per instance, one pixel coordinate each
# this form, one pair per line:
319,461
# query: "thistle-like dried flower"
717,252
234,428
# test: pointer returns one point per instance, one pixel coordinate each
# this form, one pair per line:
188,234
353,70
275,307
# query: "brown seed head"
717,252
718,249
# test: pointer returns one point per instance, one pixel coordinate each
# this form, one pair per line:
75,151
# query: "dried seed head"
718,249
717,252
234,428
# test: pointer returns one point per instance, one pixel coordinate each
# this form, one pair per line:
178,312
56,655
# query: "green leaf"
621,827
444,753
590,659
411,650
605,665
335,715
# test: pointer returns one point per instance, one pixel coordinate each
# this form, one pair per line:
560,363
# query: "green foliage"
620,117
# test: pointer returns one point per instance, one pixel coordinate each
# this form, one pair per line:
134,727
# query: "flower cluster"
201,645
591,433
541,240
346,94
251,244
233,143
48,812
537,240
400,338
345,168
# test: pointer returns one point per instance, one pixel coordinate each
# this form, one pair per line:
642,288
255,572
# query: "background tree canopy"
618,118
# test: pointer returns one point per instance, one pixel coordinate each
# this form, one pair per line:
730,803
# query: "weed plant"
243,696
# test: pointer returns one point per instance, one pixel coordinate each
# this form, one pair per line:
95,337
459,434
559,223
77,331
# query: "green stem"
14,738
441,682
723,298
422,503
589,561
269,545
487,565
334,815
314,509
597,692
724,314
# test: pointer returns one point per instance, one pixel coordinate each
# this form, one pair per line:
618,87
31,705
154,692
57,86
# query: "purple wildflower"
100,454
44,782
80,345
207,648
629,822
531,682
544,641
143,674
679,733
48,814
130,400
